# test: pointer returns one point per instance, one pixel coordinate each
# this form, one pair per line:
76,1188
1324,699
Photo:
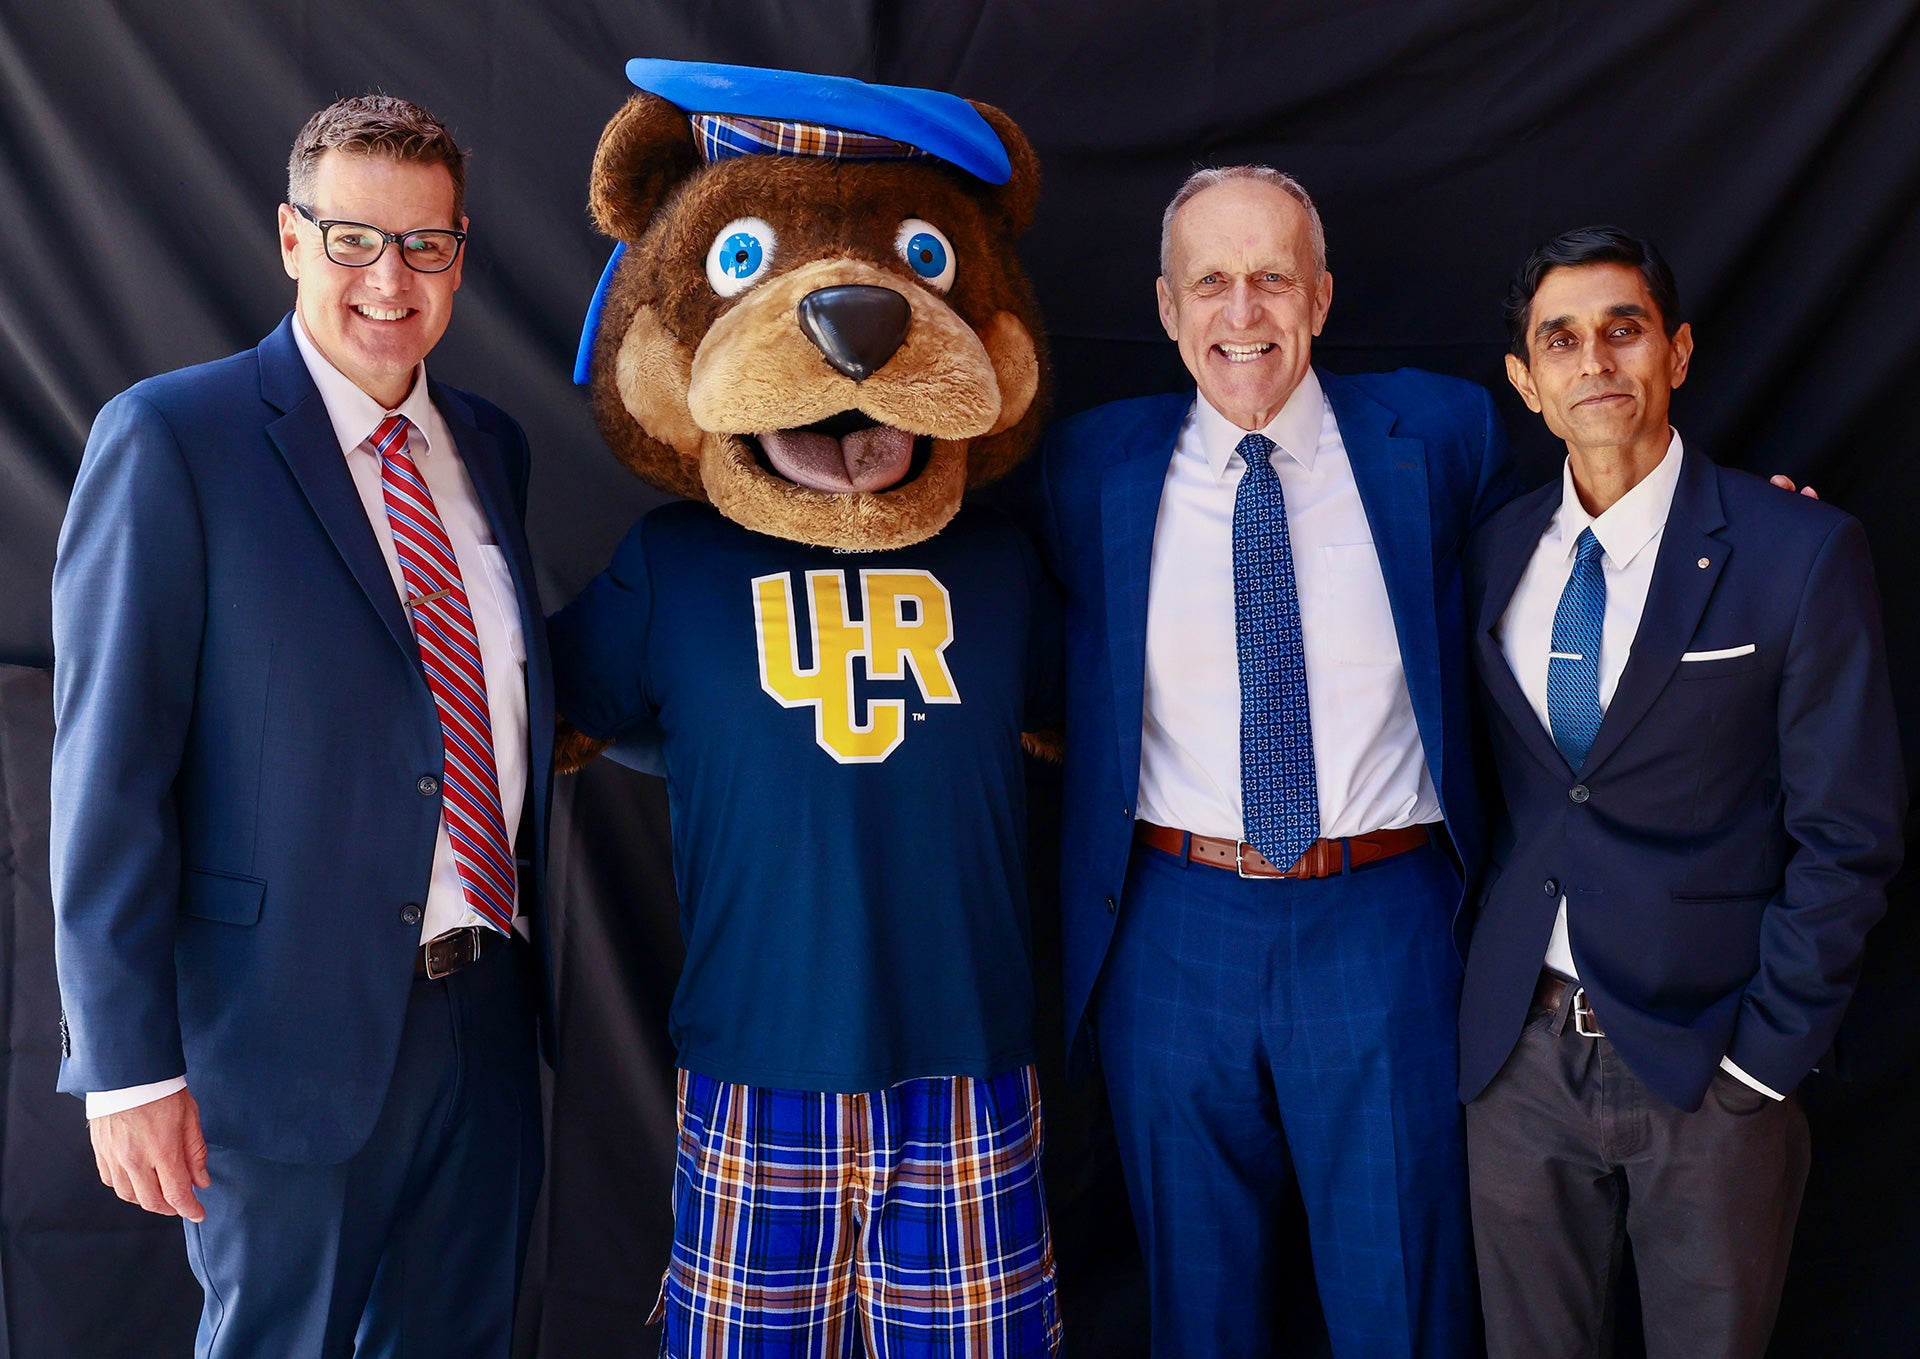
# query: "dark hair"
1590,245
375,125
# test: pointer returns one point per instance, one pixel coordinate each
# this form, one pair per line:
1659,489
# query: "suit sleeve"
1046,647
129,601
1497,483
1844,798
599,645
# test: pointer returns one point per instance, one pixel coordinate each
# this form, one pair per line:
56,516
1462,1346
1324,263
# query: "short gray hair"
1201,180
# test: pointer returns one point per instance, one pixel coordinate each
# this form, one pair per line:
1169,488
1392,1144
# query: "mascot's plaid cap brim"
748,110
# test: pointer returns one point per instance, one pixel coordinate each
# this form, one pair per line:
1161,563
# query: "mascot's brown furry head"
818,322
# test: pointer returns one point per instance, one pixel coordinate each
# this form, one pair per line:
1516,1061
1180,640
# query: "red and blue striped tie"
450,654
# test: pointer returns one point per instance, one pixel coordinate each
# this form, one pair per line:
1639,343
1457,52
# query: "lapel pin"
1702,563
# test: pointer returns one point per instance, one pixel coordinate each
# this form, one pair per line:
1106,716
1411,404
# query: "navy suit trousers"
1257,1031
414,1245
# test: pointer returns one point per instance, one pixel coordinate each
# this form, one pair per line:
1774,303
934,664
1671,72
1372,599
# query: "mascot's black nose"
856,326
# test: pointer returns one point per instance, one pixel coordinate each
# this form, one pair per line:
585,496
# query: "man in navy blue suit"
1270,806
300,787
1685,686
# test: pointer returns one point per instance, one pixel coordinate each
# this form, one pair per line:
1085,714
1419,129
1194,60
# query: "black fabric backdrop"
1772,147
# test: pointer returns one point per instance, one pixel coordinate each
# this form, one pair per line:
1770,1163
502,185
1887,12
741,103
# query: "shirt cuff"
1726,1065
100,1103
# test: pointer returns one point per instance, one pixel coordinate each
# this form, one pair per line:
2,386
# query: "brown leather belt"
1554,991
1323,858
445,954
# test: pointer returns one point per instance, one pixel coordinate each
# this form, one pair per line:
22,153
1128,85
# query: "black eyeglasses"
356,245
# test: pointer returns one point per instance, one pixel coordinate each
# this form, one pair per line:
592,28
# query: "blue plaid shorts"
914,1212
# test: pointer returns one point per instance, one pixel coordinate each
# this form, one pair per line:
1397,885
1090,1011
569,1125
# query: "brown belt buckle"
1584,1023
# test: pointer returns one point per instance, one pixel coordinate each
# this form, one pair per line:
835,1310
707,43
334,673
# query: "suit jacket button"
427,785
410,913
1578,793
1550,887
1111,906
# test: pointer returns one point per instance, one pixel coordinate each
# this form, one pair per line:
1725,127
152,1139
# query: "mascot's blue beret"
747,110
940,124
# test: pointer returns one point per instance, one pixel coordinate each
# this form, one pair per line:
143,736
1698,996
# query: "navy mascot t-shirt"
842,745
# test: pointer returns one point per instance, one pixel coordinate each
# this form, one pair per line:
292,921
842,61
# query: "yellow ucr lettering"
896,641
828,684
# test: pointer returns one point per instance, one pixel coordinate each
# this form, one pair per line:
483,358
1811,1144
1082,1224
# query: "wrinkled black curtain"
1772,147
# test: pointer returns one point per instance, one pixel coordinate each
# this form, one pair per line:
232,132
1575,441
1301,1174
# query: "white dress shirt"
1629,532
490,595
1370,767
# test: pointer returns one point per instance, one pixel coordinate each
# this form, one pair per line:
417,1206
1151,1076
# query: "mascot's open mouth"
845,453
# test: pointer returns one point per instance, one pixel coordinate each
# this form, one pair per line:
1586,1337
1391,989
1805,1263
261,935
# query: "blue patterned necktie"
1279,799
1573,668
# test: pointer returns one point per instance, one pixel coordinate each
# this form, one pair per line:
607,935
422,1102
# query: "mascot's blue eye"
927,252
741,255
927,255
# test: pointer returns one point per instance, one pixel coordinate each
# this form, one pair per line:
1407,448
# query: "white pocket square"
1725,653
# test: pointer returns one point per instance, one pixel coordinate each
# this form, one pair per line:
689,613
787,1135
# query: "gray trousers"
1570,1156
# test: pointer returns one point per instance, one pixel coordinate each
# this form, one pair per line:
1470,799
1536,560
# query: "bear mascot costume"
815,329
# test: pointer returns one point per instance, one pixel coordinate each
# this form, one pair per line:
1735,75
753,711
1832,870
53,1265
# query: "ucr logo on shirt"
905,624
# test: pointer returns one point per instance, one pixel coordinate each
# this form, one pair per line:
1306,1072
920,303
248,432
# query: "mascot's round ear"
646,150
1016,198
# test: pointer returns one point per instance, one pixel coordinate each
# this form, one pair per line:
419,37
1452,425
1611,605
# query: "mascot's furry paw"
572,749
1049,745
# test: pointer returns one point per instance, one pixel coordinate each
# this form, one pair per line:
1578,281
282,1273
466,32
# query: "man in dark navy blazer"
300,789
1684,681
1270,806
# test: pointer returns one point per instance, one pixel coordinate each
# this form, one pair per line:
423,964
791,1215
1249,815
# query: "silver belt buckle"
1584,1023
1240,848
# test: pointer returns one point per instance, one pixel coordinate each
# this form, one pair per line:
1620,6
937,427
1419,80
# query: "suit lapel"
1391,474
1129,507
1507,553
1684,574
304,435
486,462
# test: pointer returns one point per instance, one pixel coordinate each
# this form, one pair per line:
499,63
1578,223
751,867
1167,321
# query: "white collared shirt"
490,595
1370,767
1629,532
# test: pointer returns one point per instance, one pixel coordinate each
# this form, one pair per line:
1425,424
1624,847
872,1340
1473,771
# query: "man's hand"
1785,483
153,1155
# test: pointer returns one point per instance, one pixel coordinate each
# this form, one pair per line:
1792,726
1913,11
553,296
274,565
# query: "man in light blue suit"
1270,803
300,788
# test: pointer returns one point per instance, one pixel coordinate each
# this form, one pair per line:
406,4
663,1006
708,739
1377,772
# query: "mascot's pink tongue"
865,460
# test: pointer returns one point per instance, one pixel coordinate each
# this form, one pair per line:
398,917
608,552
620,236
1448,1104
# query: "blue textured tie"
1279,799
1573,670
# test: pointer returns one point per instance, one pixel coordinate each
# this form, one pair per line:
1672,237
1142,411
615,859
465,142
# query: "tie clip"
418,600
1551,655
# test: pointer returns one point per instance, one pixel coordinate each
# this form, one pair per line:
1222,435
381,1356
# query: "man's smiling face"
373,324
1600,365
1243,296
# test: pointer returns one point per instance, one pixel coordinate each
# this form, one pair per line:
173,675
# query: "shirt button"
1578,793
1550,887
1111,906
410,913
427,785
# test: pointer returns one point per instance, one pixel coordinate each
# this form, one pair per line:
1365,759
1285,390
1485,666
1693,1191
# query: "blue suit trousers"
1254,1032
414,1245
